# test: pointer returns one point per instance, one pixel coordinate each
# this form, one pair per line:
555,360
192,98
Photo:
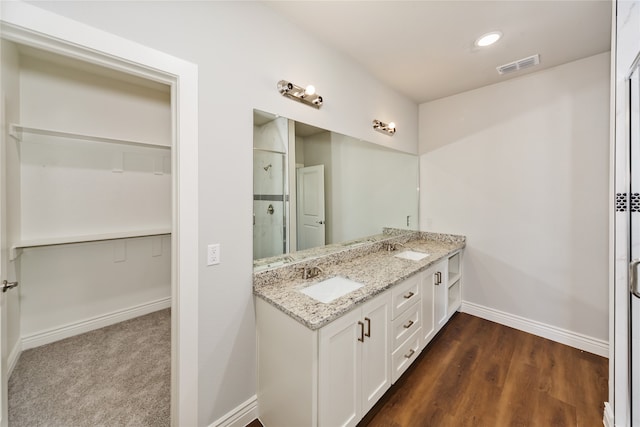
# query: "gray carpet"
115,376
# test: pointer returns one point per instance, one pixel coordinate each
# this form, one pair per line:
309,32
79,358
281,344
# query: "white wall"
242,50
521,168
72,188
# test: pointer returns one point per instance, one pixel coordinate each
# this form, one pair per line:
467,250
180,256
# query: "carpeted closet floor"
115,376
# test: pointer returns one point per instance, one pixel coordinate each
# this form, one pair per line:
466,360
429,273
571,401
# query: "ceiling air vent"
520,64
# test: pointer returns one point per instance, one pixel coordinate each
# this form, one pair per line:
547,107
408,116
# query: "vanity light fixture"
306,95
389,128
488,39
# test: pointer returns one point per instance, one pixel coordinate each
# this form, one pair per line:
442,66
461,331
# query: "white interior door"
310,207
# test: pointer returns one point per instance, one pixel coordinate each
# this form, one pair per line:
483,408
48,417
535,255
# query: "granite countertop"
374,267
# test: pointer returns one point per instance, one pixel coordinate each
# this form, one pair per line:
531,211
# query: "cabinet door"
339,371
376,352
440,282
428,305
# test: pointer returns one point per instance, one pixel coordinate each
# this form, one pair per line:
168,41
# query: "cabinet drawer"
405,325
404,356
404,295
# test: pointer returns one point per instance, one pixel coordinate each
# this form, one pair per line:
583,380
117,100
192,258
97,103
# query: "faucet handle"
309,272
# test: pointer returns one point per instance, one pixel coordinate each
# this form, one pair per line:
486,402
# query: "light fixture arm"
386,128
298,93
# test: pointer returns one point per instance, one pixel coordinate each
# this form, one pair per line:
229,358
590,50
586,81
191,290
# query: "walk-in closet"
88,199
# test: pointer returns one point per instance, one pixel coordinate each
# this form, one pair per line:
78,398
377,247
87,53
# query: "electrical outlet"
213,254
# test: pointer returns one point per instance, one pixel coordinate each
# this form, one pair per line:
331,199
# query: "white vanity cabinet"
324,378
334,375
353,368
441,294
406,324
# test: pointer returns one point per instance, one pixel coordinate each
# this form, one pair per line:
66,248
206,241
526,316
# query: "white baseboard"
240,416
563,336
607,418
55,334
12,359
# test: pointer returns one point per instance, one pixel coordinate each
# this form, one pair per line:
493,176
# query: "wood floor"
480,373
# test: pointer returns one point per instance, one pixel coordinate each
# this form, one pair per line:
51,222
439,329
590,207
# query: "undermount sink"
412,255
331,289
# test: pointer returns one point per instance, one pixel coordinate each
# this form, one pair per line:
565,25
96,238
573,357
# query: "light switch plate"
213,254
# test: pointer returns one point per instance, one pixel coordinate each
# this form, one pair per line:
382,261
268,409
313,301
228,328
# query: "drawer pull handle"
361,339
368,333
408,355
409,295
408,325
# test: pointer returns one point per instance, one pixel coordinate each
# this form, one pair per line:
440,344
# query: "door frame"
29,25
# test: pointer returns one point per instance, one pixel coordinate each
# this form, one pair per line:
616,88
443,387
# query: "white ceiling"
425,50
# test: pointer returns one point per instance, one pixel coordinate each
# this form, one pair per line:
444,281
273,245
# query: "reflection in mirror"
314,187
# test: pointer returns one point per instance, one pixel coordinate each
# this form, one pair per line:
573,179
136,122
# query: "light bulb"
391,125
488,39
310,90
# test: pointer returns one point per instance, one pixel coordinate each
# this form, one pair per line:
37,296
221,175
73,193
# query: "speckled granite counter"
368,264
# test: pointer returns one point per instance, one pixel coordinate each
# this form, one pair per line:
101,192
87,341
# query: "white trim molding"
76,328
607,418
563,336
240,416
12,359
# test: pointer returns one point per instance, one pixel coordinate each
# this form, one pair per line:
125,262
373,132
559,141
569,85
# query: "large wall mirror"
313,187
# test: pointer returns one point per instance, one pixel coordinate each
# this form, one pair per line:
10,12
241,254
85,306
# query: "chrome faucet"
310,272
392,246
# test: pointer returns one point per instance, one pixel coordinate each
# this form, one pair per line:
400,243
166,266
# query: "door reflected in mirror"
313,187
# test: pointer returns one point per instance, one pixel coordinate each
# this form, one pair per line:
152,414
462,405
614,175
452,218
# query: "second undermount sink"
331,289
412,255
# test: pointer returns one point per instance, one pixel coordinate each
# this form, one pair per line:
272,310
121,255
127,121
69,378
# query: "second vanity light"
388,128
306,95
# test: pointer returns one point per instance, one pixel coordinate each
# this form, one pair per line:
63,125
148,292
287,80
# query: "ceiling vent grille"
518,65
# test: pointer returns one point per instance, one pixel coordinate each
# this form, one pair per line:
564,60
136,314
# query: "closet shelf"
16,130
65,240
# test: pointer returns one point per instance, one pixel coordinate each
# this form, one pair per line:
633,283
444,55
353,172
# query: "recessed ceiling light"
488,39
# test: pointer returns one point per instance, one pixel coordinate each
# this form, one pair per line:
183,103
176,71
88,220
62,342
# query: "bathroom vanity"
327,363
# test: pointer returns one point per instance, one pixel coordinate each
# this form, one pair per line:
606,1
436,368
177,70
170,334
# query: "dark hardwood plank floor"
479,373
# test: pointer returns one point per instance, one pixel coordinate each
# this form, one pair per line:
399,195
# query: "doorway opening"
30,26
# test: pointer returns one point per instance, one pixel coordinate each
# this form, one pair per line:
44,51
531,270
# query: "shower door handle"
633,277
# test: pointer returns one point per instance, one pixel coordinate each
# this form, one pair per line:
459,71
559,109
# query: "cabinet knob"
409,295
408,355
408,324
